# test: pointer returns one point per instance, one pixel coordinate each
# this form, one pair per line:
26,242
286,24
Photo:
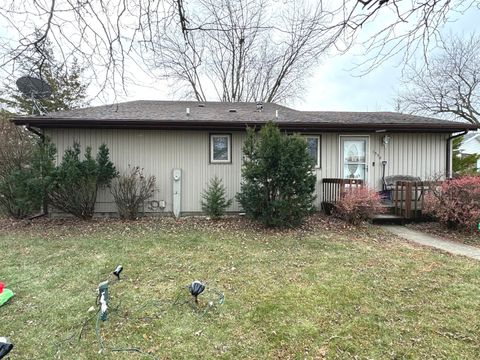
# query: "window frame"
318,165
229,148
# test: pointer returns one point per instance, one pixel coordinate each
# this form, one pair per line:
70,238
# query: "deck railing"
333,188
408,197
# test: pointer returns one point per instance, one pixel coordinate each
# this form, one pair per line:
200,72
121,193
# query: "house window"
313,147
220,148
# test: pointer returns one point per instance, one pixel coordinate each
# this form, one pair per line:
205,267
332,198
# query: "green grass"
321,292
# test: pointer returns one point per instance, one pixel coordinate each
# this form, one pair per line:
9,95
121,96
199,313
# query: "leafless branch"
449,84
262,46
249,51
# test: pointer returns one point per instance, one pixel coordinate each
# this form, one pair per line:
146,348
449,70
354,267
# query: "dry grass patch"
324,291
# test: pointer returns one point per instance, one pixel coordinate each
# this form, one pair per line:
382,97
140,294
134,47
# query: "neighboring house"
205,139
471,145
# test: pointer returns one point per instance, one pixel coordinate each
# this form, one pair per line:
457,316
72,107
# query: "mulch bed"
234,223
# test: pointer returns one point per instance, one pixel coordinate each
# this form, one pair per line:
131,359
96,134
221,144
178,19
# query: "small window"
220,148
313,146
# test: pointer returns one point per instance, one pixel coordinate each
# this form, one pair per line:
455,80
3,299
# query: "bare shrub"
130,190
358,204
456,203
16,146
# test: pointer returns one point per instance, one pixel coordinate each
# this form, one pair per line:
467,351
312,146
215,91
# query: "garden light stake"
103,299
5,347
196,288
117,271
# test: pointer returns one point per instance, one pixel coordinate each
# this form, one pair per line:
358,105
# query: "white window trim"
229,148
318,137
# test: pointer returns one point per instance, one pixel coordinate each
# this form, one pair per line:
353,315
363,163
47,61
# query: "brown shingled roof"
222,115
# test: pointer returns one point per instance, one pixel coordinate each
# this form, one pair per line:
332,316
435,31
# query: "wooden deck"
405,204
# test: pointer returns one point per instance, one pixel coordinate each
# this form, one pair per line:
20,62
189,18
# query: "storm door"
354,157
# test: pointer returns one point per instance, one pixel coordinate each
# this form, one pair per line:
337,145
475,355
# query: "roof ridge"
154,112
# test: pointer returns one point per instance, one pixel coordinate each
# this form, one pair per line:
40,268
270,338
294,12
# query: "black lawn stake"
196,288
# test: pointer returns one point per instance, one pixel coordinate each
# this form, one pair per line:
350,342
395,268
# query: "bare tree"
252,52
385,28
388,28
103,35
449,84
108,36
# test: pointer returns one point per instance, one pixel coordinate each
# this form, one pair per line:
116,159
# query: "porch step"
381,219
388,209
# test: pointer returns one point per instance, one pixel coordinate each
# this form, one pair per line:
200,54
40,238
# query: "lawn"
324,291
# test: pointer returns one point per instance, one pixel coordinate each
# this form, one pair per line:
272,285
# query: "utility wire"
162,305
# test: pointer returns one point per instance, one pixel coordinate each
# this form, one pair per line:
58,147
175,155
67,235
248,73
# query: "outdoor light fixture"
196,288
117,271
5,347
386,140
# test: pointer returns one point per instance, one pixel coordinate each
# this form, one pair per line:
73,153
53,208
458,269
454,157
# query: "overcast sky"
334,85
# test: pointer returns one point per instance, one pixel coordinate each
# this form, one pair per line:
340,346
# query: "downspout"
45,206
449,150
36,132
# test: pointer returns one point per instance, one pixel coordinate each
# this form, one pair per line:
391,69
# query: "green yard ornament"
5,294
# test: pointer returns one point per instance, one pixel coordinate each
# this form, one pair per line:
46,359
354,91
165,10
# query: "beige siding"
160,151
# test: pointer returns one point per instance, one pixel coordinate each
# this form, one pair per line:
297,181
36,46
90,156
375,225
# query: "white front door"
354,157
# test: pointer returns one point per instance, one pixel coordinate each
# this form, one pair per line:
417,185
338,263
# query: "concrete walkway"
434,241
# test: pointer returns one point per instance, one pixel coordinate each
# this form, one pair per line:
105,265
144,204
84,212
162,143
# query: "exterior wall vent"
232,110
201,105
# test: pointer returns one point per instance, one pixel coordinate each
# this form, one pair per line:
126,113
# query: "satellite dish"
33,87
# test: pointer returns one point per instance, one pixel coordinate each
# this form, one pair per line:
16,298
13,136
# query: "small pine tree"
76,182
106,171
65,80
214,201
463,164
278,178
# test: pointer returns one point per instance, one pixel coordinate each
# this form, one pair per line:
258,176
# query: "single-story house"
185,143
